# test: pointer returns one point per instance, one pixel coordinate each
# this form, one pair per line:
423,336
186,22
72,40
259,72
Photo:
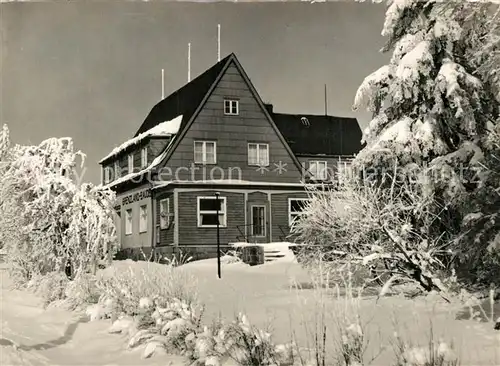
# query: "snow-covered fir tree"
430,164
427,102
434,107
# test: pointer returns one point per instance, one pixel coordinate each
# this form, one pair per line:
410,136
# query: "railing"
245,237
284,234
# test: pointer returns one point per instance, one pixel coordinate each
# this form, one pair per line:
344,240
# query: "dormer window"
130,163
107,175
318,170
144,157
231,107
117,170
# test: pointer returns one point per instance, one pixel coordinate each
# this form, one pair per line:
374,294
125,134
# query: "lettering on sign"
136,197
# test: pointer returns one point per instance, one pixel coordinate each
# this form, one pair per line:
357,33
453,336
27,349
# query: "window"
117,170
164,213
128,222
258,220
107,175
231,107
343,169
258,154
207,211
204,152
130,163
318,170
143,219
296,208
144,157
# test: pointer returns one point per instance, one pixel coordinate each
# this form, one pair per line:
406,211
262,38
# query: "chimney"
269,108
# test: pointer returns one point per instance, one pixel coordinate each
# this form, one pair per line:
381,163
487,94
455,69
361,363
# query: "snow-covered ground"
33,336
265,294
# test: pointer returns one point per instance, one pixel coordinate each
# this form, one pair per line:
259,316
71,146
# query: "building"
216,136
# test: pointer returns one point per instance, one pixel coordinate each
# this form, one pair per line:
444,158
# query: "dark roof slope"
320,135
183,101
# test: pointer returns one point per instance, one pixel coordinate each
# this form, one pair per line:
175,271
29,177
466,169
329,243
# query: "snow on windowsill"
167,128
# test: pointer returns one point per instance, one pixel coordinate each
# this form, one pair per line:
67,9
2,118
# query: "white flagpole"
189,62
162,84
218,42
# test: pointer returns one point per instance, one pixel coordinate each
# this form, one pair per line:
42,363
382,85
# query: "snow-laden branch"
47,217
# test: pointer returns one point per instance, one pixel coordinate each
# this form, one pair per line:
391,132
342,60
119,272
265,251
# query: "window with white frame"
231,107
117,170
318,170
205,152
130,163
164,213
143,219
207,211
343,169
128,222
144,157
258,154
296,208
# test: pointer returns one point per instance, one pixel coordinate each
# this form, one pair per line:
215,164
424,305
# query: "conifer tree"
435,108
430,164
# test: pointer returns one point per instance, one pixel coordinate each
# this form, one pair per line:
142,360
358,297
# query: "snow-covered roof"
167,128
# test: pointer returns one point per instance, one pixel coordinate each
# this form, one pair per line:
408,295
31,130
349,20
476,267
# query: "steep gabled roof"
167,153
184,101
320,135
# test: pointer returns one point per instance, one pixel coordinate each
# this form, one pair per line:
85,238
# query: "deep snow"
57,337
266,294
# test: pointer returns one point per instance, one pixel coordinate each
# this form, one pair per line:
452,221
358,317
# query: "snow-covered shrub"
50,218
253,346
126,284
164,327
433,354
352,347
98,312
124,324
82,291
238,341
176,320
231,256
154,303
364,225
51,287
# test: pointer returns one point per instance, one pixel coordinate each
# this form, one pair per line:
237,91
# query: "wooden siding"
279,209
257,197
232,134
191,234
166,235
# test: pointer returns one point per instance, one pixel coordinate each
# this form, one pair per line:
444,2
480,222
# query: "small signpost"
217,201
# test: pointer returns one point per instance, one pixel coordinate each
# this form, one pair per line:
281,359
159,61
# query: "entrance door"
258,223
